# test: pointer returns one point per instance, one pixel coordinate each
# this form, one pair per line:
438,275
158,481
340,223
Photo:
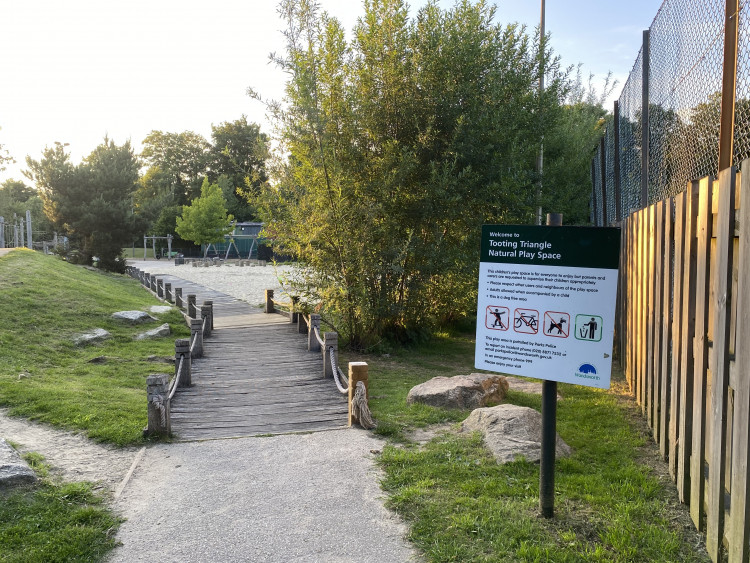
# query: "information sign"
547,302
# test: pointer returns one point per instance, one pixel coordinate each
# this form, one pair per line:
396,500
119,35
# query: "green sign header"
578,247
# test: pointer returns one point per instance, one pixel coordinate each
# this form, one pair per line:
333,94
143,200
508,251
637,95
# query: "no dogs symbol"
556,324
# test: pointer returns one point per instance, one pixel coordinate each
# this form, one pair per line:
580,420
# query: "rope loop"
360,408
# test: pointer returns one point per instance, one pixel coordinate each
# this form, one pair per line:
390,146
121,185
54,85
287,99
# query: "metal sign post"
545,309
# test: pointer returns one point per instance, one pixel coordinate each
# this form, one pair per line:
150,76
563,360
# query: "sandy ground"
246,283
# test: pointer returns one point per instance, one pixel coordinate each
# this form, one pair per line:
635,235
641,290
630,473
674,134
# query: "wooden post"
154,283
729,83
210,305
269,302
549,428
330,340
178,297
739,521
157,393
196,334
293,311
312,342
146,279
160,288
357,372
191,310
301,324
206,318
182,352
722,303
168,292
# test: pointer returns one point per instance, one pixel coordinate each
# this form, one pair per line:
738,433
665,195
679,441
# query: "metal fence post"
645,127
616,164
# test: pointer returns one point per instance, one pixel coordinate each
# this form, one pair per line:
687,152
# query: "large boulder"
511,431
158,332
460,392
13,470
95,335
133,317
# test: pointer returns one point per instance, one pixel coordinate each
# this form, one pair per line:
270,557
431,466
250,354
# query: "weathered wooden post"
301,323
168,292
178,298
196,333
146,279
330,340
157,393
182,362
160,288
293,311
357,372
312,341
154,282
191,310
269,301
210,305
206,319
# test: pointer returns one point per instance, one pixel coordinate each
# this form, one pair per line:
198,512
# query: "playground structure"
153,240
19,234
244,241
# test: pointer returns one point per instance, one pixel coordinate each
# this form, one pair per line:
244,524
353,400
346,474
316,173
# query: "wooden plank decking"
256,377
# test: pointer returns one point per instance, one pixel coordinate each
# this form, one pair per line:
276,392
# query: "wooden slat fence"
685,297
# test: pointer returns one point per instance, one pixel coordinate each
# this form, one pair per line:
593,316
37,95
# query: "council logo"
587,371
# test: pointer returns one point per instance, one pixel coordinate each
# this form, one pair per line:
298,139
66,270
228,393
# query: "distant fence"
666,127
684,309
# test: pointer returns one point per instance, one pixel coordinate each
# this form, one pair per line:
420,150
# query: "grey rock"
95,335
511,431
134,317
157,332
13,470
461,392
160,309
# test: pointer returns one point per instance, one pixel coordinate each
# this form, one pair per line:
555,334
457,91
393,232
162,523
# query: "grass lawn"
613,500
52,522
44,376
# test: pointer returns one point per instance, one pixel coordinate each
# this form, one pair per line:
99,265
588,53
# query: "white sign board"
546,302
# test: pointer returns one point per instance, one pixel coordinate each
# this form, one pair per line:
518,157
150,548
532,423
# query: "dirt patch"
73,457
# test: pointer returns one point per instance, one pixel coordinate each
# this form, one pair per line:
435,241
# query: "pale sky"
74,71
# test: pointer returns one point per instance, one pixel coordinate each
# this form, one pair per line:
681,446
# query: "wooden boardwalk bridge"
256,377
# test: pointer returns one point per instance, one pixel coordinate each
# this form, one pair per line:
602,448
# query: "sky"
75,71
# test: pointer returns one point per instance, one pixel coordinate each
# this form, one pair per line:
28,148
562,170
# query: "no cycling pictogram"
526,321
556,324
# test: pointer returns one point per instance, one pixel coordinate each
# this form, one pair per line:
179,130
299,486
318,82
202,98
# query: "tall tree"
93,202
205,221
402,143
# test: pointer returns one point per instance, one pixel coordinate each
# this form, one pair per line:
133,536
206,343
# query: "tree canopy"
205,221
401,144
91,202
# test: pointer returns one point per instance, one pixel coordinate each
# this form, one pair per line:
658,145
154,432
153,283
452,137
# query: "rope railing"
355,384
161,389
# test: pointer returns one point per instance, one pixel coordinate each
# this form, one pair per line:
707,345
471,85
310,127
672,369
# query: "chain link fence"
683,56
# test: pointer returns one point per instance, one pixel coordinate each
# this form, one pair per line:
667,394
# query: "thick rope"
176,380
317,336
337,373
360,408
158,402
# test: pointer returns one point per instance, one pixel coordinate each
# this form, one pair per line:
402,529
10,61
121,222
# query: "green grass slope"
44,376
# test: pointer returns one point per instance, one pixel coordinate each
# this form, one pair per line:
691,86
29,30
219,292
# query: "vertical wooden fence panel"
666,334
739,524
720,363
674,403
643,311
648,278
657,316
700,351
685,434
